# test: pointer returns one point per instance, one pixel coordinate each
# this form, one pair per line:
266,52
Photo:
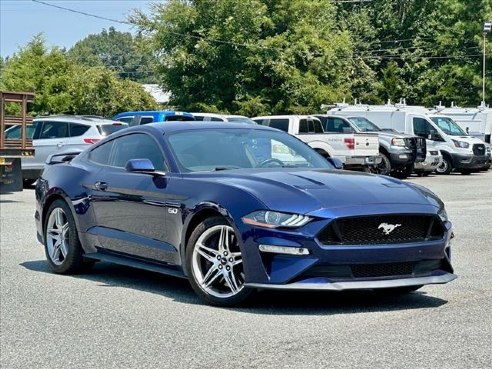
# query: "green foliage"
128,56
62,86
250,55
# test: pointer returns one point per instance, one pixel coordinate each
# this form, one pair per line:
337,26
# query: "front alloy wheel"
215,263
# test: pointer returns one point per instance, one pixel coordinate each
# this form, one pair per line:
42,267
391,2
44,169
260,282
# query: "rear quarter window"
78,129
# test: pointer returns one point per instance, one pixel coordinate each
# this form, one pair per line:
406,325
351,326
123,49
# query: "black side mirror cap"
337,163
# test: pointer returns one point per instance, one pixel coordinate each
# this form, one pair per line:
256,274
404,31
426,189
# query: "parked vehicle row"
386,139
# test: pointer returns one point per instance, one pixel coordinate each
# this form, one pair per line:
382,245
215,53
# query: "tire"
214,263
59,228
445,166
384,168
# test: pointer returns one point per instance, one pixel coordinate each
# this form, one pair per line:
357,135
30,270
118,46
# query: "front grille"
479,149
382,229
412,145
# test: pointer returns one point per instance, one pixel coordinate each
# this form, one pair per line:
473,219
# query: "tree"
249,55
62,86
118,51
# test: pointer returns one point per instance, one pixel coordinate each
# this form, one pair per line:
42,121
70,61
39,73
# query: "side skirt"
122,259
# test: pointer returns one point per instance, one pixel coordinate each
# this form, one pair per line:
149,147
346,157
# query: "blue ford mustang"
236,208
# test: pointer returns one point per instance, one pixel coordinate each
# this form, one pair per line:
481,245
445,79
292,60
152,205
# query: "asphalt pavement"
118,317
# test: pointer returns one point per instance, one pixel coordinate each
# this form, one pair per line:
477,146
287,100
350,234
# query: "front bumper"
401,158
326,285
342,267
430,164
461,161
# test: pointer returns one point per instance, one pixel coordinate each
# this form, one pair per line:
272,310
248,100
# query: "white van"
475,121
460,151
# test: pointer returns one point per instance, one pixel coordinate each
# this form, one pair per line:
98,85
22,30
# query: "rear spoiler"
64,157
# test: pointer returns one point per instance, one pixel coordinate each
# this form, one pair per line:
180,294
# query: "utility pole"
487,27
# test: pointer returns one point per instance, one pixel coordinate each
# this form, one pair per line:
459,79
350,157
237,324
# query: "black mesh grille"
411,144
383,229
378,270
479,149
421,149
382,270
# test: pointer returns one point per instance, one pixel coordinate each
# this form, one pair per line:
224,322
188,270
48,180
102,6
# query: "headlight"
443,215
274,219
398,142
461,144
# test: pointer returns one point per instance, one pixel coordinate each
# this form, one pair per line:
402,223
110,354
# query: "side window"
215,119
136,146
282,124
303,126
146,120
78,129
198,118
101,153
260,121
125,119
420,127
54,130
318,128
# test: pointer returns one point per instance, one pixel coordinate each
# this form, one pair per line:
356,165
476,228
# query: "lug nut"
228,268
231,260
220,266
225,253
218,257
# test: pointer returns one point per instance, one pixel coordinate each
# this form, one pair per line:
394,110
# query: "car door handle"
60,144
101,186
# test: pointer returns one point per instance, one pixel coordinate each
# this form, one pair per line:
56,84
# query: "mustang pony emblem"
388,228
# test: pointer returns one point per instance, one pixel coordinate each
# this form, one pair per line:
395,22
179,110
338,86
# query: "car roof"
80,119
153,112
181,126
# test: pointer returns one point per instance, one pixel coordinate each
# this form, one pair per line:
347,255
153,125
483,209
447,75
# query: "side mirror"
139,165
434,136
337,163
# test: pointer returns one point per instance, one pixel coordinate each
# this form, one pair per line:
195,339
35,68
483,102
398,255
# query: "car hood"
306,191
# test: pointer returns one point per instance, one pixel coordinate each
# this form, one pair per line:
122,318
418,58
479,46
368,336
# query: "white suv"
55,134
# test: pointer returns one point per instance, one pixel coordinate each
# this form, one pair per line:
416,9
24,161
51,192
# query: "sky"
20,20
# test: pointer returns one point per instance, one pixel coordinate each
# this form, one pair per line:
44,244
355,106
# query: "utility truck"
13,149
354,150
460,151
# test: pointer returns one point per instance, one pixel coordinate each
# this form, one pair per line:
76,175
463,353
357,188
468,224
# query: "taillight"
349,142
91,141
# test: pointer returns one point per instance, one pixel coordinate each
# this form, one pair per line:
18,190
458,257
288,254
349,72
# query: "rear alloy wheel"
62,246
445,166
215,263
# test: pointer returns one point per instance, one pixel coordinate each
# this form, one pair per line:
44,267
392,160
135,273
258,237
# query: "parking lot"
117,317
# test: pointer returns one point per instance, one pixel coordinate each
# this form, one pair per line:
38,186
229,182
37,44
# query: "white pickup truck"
355,150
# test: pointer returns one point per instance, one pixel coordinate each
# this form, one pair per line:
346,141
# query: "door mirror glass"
337,163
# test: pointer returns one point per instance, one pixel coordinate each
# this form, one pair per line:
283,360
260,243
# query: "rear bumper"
359,161
325,284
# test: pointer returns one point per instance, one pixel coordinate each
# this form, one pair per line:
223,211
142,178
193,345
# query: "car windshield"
449,126
14,133
221,149
107,129
364,124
